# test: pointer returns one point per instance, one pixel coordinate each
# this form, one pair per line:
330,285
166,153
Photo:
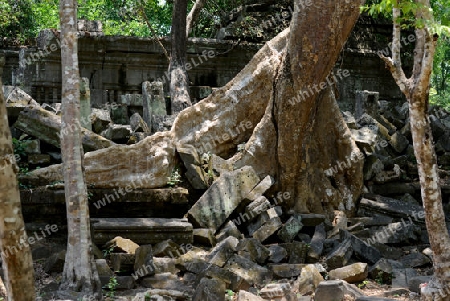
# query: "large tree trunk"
416,90
80,276
179,81
15,250
259,106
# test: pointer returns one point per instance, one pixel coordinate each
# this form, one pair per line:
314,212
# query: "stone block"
290,229
122,262
399,142
286,270
312,220
316,244
250,271
401,276
100,120
144,258
415,260
122,245
138,124
382,269
269,227
223,251
247,296
204,237
142,230
277,253
340,255
351,273
260,189
308,280
361,248
277,291
332,290
55,263
117,132
253,249
229,229
210,289
255,208
215,206
39,159
415,282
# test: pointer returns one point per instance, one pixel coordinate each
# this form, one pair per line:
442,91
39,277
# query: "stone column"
146,104
85,104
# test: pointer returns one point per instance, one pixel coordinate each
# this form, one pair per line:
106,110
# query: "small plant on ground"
107,252
363,284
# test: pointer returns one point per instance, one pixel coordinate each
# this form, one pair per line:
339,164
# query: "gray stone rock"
250,271
312,220
373,299
144,258
210,289
122,245
194,172
396,233
117,132
290,229
103,268
340,255
165,281
286,270
255,208
277,253
415,282
166,248
253,249
100,120
297,251
401,276
204,237
361,248
55,263
269,227
215,206
223,251
229,229
351,273
260,189
330,291
122,262
138,124
316,244
415,260
308,280
398,142
277,291
382,270
38,159
247,296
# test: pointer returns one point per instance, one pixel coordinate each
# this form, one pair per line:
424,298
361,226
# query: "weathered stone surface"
373,299
31,146
415,260
399,142
361,248
371,221
255,208
138,124
210,289
103,268
374,204
269,227
286,270
330,291
396,233
194,172
366,102
205,237
253,249
229,229
223,251
308,280
247,296
166,248
17,100
165,265
351,273
415,282
290,229
38,159
277,291
142,230
316,244
382,269
277,253
120,244
222,198
165,281
259,189
340,255
297,251
339,222
144,257
117,132
46,126
401,276
100,120
122,262
250,271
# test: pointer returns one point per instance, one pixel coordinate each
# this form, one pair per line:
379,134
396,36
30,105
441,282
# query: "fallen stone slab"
247,296
253,249
308,280
277,291
290,229
373,299
415,282
165,281
374,204
351,273
361,248
316,244
46,126
223,197
269,227
259,189
223,251
312,220
415,260
286,270
204,237
277,253
210,289
142,230
340,255
401,276
382,269
122,262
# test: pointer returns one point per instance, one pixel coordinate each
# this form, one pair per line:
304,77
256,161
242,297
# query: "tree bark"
179,81
15,251
416,90
193,15
80,277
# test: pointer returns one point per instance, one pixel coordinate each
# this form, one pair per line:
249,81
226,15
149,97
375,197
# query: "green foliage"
174,178
16,19
112,284
363,284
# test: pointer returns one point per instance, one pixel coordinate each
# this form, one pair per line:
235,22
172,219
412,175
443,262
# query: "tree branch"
193,15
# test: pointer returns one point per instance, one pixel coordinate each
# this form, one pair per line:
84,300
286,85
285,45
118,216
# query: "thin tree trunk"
179,82
416,89
193,15
15,250
80,276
